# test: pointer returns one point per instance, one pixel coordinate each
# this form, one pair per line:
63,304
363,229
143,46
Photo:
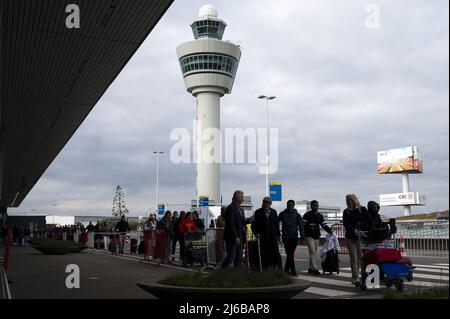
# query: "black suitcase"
133,246
253,255
331,262
141,247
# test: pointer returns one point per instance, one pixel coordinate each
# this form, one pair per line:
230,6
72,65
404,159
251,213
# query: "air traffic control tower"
209,66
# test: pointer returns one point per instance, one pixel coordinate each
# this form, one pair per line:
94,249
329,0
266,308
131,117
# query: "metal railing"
424,238
420,238
215,252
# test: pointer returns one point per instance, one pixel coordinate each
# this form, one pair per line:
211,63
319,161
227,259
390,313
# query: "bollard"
90,241
402,246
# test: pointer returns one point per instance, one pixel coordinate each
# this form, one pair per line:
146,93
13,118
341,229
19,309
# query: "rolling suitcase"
141,247
331,262
133,246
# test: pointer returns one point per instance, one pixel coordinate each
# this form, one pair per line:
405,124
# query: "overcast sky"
344,91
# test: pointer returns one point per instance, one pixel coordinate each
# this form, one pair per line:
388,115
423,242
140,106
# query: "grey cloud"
343,91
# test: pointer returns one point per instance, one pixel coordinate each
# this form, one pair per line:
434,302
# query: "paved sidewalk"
38,276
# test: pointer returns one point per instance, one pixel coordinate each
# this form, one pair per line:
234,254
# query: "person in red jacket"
186,225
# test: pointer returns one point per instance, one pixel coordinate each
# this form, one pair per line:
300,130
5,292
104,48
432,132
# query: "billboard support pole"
405,182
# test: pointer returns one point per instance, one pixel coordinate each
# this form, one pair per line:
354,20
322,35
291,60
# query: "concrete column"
405,182
208,145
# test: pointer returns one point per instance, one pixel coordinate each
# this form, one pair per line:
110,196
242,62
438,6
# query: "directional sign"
275,191
203,201
161,209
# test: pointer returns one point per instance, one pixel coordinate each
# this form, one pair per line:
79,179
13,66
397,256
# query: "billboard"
400,160
401,199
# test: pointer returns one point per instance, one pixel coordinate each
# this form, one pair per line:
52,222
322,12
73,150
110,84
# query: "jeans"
234,254
354,249
290,244
313,247
122,243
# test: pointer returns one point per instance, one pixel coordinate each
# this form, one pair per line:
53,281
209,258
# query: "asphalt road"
103,275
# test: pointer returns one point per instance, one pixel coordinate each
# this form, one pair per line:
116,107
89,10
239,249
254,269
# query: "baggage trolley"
394,268
195,248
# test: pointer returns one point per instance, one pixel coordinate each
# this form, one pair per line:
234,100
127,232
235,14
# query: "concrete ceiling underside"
51,76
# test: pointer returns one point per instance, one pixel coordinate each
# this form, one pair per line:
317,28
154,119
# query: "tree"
119,209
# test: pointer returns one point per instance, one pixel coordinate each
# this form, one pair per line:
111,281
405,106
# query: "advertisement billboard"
401,199
400,160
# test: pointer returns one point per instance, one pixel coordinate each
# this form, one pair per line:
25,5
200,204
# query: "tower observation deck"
209,67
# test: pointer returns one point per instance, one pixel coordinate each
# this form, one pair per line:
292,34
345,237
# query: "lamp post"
267,98
157,178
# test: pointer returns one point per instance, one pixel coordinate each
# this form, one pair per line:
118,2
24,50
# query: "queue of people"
297,229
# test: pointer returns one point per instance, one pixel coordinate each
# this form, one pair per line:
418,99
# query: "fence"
4,260
421,238
424,238
215,246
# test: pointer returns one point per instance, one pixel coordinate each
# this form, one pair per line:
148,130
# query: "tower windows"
213,62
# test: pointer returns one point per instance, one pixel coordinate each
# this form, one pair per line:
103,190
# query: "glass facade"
208,28
211,62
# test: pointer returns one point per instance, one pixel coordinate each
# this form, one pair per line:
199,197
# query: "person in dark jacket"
377,229
198,222
122,227
234,231
353,217
292,224
313,222
176,232
266,227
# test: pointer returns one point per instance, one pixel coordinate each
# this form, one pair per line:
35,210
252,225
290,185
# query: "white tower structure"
209,66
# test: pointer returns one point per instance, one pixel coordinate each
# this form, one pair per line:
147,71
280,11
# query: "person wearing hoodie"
376,228
313,222
291,225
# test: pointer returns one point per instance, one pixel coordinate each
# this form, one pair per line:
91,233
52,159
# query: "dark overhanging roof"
51,76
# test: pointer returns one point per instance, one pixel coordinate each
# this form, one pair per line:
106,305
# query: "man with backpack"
313,222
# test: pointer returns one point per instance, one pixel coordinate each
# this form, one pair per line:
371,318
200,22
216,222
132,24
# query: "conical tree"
119,209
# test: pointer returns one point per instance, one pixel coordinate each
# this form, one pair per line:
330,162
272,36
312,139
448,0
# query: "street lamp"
157,177
267,98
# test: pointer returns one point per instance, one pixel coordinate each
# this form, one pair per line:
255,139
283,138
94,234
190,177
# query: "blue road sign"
161,209
203,201
275,192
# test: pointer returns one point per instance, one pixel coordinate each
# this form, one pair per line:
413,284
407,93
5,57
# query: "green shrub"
229,278
56,247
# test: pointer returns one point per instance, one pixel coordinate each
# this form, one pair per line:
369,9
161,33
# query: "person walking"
234,231
187,225
353,217
292,224
122,227
313,222
267,228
